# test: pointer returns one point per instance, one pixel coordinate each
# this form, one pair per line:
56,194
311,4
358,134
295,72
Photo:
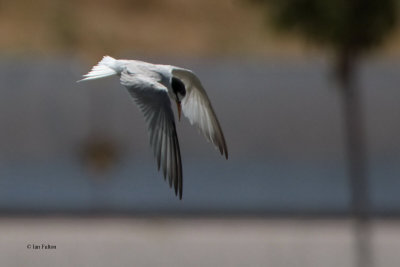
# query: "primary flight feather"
152,86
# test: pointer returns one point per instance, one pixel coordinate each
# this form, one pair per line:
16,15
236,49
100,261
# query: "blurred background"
306,92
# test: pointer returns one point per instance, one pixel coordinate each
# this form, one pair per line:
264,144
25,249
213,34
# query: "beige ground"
190,242
91,28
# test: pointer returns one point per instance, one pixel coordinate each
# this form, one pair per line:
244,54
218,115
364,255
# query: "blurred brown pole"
356,153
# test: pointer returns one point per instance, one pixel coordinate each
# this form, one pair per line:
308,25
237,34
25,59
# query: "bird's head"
179,92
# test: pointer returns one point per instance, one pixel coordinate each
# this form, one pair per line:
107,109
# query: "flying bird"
152,87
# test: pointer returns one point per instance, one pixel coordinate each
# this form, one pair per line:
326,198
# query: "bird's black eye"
178,87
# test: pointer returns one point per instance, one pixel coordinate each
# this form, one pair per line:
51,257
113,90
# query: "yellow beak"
178,105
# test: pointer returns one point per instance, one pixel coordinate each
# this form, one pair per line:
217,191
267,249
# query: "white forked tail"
106,67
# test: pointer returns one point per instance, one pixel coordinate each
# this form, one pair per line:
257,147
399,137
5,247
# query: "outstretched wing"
152,98
197,108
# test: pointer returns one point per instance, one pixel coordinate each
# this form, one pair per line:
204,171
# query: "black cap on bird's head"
178,88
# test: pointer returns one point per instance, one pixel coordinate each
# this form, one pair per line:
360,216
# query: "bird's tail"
106,67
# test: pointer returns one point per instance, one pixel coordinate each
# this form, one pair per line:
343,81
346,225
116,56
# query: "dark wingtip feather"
226,150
